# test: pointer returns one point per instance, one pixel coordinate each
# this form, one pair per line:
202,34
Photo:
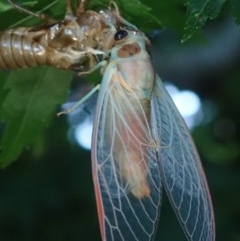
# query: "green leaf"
198,12
140,10
29,107
236,10
135,11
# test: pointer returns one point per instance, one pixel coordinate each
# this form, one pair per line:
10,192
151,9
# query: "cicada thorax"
65,44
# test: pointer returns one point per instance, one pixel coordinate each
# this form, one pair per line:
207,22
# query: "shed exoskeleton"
71,43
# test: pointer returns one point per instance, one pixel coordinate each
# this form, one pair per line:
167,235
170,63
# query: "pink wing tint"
126,174
181,169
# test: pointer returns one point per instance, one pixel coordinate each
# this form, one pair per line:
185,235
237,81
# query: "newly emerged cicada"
141,144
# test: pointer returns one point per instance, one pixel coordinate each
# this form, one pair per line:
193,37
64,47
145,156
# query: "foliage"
29,107
21,109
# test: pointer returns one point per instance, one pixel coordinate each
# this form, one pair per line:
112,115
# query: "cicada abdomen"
71,43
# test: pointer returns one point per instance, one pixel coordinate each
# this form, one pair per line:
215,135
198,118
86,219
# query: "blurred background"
48,193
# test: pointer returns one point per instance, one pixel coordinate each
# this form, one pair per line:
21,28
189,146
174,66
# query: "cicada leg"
113,5
81,7
85,98
94,68
93,55
41,16
88,95
94,61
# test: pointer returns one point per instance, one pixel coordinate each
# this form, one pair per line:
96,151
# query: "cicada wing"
127,210
181,170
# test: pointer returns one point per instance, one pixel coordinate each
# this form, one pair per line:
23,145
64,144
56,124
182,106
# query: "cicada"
141,144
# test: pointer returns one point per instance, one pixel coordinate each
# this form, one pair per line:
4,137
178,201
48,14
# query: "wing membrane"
181,169
126,174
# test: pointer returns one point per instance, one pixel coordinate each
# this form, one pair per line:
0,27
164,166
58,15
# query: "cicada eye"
120,34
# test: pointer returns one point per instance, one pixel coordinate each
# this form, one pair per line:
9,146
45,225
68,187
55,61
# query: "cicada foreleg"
41,16
81,7
114,7
94,62
94,68
85,98
89,94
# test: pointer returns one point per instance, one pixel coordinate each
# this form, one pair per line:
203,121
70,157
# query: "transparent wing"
126,174
181,169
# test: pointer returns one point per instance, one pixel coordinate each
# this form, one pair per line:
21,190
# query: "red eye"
120,34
